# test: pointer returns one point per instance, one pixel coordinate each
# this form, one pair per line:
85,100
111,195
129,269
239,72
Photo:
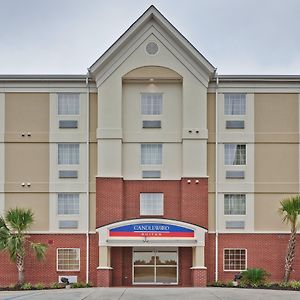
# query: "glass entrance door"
155,266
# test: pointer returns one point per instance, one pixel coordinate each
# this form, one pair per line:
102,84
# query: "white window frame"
246,259
237,194
77,99
151,164
151,113
68,164
64,270
57,204
242,99
161,200
237,144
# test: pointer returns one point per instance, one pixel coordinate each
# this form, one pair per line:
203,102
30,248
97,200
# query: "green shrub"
294,284
254,277
39,286
55,285
77,285
229,284
217,284
283,284
26,286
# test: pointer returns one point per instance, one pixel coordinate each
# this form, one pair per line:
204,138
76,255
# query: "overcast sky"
67,36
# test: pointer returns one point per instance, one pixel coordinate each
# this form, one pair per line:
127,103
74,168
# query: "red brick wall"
194,201
121,261
109,200
45,271
265,251
120,200
185,264
199,277
210,257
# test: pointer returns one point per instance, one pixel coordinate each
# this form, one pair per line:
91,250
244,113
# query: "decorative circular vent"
152,48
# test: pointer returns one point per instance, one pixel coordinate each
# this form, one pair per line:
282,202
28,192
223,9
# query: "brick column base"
199,276
104,277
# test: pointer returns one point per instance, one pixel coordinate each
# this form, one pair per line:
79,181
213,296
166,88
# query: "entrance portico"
154,250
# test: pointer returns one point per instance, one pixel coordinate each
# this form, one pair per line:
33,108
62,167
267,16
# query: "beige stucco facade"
37,202
272,155
110,105
29,136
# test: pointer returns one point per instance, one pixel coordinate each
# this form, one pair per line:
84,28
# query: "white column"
198,257
104,257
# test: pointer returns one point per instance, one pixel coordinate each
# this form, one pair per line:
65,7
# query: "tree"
290,209
14,239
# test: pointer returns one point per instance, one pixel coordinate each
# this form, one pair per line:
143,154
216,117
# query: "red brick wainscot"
46,271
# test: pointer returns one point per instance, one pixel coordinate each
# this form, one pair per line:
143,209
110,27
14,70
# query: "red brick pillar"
194,201
199,276
104,277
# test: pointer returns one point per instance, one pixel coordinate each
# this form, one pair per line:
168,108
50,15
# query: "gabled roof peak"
152,13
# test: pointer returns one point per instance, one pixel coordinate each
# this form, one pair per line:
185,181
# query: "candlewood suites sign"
151,230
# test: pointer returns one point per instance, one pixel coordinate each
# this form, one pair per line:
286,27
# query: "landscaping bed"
289,286
39,286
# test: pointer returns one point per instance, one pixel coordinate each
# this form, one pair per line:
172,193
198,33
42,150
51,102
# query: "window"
151,103
151,154
235,104
68,259
235,259
68,154
234,204
235,154
68,104
68,204
151,204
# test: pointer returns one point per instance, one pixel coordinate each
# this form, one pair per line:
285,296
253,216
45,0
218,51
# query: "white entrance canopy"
151,233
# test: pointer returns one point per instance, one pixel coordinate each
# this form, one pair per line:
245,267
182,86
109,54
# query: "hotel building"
151,169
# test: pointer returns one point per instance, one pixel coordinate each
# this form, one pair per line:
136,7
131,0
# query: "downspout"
216,183
87,176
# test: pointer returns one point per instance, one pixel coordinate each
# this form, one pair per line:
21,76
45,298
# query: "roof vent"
152,48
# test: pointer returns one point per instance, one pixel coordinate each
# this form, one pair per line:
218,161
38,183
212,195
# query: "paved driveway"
152,293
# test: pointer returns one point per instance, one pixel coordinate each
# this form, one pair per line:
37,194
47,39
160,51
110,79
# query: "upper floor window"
151,204
68,104
235,104
68,204
235,154
234,204
151,103
68,154
151,154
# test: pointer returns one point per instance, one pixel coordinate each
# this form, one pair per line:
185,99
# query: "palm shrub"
254,277
14,238
290,209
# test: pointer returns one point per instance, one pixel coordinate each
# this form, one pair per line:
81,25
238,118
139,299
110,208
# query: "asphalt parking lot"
152,293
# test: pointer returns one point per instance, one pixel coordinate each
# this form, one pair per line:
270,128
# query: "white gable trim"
151,22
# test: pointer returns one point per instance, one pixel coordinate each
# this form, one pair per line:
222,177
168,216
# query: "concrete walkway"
152,293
